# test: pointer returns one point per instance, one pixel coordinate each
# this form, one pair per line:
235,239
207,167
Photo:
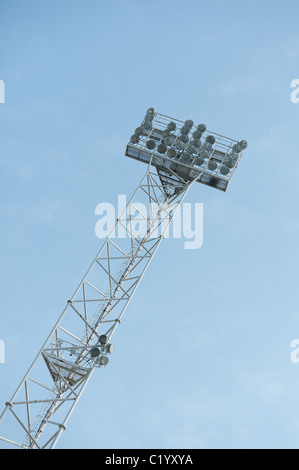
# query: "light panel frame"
221,149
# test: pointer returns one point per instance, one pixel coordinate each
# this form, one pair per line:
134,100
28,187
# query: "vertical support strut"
80,340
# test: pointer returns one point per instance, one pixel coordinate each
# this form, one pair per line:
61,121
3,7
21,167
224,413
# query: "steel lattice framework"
80,341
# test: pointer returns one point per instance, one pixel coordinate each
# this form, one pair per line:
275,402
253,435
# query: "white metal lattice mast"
80,341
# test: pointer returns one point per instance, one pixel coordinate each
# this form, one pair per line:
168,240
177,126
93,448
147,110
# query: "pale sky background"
215,371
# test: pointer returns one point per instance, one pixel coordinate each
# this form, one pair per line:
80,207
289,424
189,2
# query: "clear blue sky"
214,371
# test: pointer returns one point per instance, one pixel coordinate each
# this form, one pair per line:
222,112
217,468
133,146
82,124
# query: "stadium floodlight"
79,341
212,157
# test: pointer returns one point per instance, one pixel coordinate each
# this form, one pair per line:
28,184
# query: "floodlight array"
186,149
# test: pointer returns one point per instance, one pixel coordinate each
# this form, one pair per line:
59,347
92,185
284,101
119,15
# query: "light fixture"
109,348
224,170
134,139
184,130
188,124
201,128
210,139
138,130
229,162
191,148
180,145
184,138
196,143
147,125
186,144
199,161
212,165
171,153
147,122
185,158
169,140
103,339
94,352
237,148
171,126
162,148
243,144
207,146
196,135
103,360
150,144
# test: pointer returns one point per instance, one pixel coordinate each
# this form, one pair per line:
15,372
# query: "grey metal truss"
80,341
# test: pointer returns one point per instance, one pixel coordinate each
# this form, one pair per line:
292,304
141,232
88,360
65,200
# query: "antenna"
178,154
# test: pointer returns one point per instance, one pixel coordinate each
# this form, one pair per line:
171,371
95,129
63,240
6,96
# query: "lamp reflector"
171,152
201,128
103,360
134,139
103,339
162,148
94,352
171,126
212,165
150,144
224,170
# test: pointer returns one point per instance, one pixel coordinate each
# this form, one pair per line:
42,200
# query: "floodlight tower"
178,154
